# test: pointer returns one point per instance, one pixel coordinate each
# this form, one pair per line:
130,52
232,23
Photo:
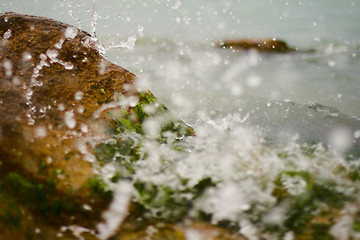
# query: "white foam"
117,211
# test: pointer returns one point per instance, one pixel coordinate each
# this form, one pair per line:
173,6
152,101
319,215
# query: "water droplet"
71,32
341,139
331,63
79,95
16,81
61,107
87,207
31,121
84,128
70,119
8,68
26,56
49,160
43,110
87,41
253,81
59,44
80,109
176,5
102,67
40,132
52,54
357,134
7,34
68,66
133,100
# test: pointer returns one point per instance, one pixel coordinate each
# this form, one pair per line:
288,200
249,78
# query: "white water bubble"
26,56
295,185
29,92
341,139
140,30
87,41
61,107
59,44
176,5
40,132
79,95
7,34
70,120
80,109
52,54
152,127
84,128
289,236
253,81
71,32
68,65
133,101
357,134
87,207
102,67
331,63
8,68
49,159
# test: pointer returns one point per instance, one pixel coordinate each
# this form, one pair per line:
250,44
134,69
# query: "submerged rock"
59,101
263,45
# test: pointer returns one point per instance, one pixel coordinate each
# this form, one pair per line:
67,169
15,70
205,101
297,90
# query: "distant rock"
262,45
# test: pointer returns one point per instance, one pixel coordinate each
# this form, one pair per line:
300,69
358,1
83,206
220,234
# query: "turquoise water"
235,100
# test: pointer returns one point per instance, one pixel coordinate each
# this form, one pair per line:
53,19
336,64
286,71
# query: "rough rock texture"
263,45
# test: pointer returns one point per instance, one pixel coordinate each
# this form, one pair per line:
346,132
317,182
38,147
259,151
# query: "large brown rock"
53,79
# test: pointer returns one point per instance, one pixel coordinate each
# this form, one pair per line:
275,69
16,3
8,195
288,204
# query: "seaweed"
303,207
12,215
167,204
37,196
99,188
132,119
321,232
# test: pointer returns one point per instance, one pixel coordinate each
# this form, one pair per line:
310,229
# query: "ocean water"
236,101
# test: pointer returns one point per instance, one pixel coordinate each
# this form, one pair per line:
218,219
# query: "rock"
263,45
59,101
